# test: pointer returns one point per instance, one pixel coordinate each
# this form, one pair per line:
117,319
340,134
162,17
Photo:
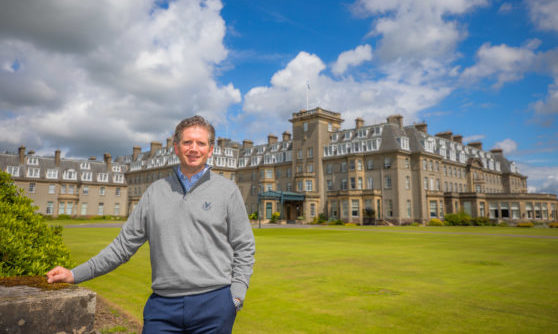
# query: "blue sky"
90,78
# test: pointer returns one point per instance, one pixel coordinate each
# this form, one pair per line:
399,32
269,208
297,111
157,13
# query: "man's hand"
60,275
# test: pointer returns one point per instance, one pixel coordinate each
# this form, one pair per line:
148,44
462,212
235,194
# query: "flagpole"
307,89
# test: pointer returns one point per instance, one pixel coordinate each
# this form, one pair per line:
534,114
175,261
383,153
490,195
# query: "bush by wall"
274,217
553,225
435,222
27,245
525,224
458,219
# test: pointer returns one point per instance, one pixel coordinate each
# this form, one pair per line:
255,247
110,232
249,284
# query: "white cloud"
550,105
507,145
354,57
473,138
119,73
503,62
543,14
372,100
540,179
505,8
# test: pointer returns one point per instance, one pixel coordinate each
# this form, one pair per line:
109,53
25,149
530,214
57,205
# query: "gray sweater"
199,240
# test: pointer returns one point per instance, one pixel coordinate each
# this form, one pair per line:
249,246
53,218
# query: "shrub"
525,224
28,246
350,224
480,221
503,224
416,224
553,225
63,217
335,222
458,219
253,215
274,217
435,222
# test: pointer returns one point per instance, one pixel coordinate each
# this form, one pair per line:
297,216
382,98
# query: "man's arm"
129,240
242,241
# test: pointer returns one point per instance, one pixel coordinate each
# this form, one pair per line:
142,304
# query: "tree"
28,246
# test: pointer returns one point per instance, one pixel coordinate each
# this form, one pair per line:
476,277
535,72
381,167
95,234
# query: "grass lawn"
386,280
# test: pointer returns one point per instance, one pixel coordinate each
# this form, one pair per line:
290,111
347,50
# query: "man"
201,242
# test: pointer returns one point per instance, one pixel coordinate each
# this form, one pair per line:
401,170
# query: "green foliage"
335,222
553,225
458,219
274,217
481,221
27,245
416,224
253,215
503,224
525,224
435,222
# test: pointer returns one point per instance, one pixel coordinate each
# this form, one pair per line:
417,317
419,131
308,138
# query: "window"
85,165
289,173
102,177
343,166
51,188
329,168
354,208
33,161
62,188
329,185
268,173
299,186
310,168
353,183
69,174
101,209
69,208
71,189
424,164
61,207
345,208
482,209
33,172
117,209
493,210
407,182
268,187
50,208
344,184
389,208
117,191
515,210
545,211
85,190
312,209
370,164
289,186
52,173
538,211
404,143
310,152
305,125
277,173
87,176
32,187
433,209
308,185
467,208
13,170
425,183
370,183
409,208
529,210
102,191
407,163
359,184
387,162
83,209
351,165
333,207
387,180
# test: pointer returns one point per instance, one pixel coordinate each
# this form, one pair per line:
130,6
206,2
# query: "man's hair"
194,121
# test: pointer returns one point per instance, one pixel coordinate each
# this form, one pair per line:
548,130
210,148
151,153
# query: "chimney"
135,152
155,146
446,135
169,142
422,127
271,139
108,161
57,158
31,152
92,158
476,144
21,152
396,119
359,122
247,143
497,151
286,136
458,139
220,142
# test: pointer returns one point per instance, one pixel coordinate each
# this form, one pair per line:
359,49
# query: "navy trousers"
210,312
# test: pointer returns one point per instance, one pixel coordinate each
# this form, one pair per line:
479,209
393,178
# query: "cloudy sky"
89,77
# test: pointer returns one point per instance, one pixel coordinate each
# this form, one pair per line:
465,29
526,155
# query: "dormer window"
334,137
102,177
228,152
52,173
217,150
33,172
13,170
118,178
69,174
404,143
85,165
117,168
261,149
362,133
33,161
347,135
87,176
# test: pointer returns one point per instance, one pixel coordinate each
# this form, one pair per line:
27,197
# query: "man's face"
194,149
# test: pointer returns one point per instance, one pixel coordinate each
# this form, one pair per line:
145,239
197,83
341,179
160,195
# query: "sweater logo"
206,206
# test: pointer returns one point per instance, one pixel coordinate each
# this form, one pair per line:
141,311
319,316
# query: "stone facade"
388,171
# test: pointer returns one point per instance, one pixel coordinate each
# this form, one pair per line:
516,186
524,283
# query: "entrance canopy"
283,196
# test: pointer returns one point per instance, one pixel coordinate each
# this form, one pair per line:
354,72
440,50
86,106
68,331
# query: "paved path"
372,229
